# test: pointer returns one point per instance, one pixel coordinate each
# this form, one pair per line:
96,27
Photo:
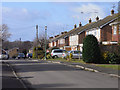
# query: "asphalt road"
8,80
43,74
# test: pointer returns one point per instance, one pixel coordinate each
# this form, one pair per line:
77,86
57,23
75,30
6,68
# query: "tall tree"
4,35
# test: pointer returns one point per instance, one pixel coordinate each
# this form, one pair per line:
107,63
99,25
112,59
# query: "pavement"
90,67
9,78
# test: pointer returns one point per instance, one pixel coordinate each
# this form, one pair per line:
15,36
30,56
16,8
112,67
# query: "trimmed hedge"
91,51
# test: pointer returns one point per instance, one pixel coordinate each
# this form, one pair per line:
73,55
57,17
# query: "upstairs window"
115,30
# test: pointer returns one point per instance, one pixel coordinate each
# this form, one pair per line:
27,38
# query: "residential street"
41,74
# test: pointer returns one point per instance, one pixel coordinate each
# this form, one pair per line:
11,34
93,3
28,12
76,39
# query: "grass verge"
116,67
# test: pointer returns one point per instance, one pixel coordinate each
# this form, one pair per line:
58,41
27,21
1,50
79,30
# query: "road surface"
43,74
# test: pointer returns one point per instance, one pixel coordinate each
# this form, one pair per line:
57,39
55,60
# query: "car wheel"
55,56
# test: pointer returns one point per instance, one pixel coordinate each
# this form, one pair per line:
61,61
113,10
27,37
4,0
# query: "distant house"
13,52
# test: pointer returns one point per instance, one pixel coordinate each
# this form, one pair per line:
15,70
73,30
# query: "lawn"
113,66
116,67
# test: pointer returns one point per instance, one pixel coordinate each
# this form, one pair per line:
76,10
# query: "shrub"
105,59
91,51
67,57
110,58
114,58
49,56
70,56
39,52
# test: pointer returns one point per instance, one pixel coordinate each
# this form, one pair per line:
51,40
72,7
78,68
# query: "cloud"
23,14
87,11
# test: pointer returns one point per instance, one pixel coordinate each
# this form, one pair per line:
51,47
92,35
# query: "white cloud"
22,14
86,11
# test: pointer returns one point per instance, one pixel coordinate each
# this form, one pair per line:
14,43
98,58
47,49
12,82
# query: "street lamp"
45,40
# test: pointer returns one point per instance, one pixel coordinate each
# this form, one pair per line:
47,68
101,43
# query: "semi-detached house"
103,30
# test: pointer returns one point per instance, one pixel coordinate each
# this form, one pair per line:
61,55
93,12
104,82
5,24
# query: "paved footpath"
9,79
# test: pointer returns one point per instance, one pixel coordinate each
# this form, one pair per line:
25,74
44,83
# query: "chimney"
62,32
112,12
65,32
97,18
57,35
80,24
50,37
75,26
90,20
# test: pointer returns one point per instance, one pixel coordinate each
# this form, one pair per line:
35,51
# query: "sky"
22,17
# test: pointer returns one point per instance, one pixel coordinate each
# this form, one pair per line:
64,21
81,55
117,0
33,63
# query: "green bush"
39,52
91,51
105,59
114,58
49,56
110,58
67,57
70,56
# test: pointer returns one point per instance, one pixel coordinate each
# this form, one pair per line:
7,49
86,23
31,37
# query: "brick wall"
81,37
106,33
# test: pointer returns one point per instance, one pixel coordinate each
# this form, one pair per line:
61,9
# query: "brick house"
101,29
57,41
115,31
13,52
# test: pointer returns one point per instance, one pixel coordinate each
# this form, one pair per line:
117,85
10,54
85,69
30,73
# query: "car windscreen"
21,54
58,51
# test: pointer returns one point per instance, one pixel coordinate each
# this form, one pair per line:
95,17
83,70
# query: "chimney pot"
62,32
97,18
75,26
80,24
112,12
90,20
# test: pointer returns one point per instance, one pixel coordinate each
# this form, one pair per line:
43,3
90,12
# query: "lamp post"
37,41
45,40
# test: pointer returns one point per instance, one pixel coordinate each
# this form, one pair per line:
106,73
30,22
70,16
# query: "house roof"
97,24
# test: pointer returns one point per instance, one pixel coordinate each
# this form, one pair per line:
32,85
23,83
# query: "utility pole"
37,41
20,46
45,40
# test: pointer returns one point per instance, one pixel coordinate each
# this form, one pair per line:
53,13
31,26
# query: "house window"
115,30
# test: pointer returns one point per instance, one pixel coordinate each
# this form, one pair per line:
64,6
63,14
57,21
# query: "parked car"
58,53
3,54
76,54
29,55
21,55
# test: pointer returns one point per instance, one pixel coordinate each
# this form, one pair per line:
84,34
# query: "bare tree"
41,41
4,34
